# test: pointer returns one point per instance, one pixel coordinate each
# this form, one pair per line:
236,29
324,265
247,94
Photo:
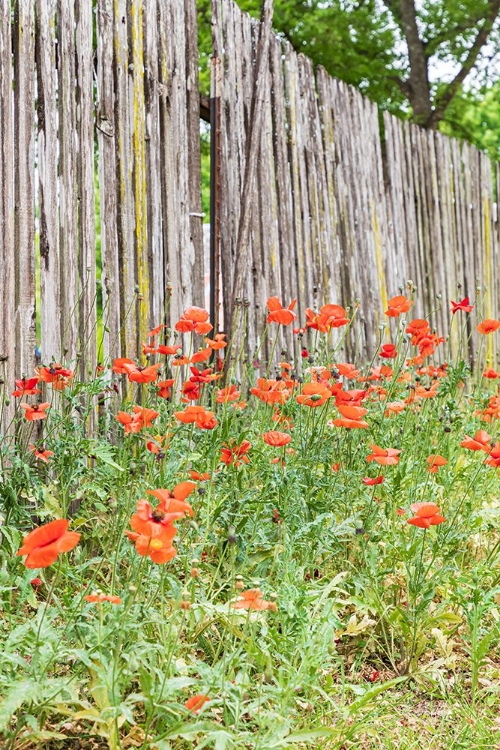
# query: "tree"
410,56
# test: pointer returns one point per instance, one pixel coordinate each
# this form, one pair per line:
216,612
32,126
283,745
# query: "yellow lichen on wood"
377,238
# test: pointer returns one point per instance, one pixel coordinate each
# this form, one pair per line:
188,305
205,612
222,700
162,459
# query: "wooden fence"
340,211
99,123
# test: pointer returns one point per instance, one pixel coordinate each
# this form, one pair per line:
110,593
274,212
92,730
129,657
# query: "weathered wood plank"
50,282
24,213
107,166
85,180
7,200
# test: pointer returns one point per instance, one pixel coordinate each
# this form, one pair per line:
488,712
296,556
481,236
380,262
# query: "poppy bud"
239,583
304,353
231,535
195,573
185,602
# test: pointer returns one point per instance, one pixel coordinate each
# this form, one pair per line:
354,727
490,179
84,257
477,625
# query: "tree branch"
444,100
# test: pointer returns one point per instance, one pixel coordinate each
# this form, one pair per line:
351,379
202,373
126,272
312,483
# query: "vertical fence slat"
7,198
50,282
106,140
85,179
24,216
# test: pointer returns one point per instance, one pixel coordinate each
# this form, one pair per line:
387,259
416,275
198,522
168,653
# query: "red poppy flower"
100,597
217,342
119,365
201,356
494,457
252,599
314,395
388,351
488,326
158,547
197,477
141,374
40,453
350,424
279,314
394,407
271,391
276,438
168,350
384,457
44,544
488,373
155,331
417,329
236,454
54,373
480,442
426,515
142,417
463,305
34,413
371,481
227,395
336,467
398,305
194,319
434,462
165,388
26,387
196,703
329,316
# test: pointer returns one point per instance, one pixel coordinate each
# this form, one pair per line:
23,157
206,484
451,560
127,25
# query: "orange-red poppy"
55,374
388,351
398,305
372,481
196,703
384,456
277,439
194,319
40,453
155,331
26,387
168,350
313,395
235,454
227,395
347,370
425,515
480,442
142,417
44,544
463,305
329,316
119,365
252,599
488,373
494,457
36,412
394,407
217,342
159,547
98,596
196,476
434,462
137,374
278,313
197,415
271,391
417,329
202,355
165,388
488,326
